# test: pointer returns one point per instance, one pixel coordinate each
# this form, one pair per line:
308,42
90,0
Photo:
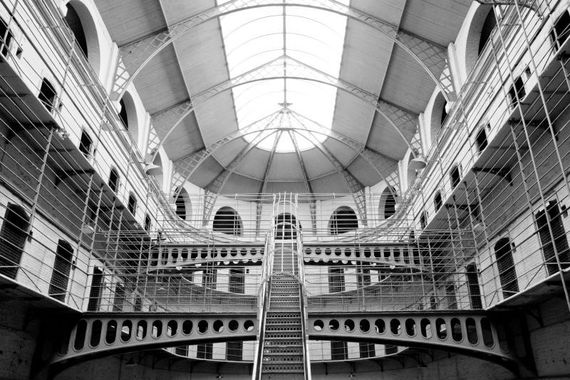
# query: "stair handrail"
263,298
304,300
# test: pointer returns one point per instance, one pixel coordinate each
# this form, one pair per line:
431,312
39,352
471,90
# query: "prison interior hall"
284,189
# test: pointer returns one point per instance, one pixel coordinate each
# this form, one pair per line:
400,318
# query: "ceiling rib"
312,206
272,70
354,186
215,187
187,166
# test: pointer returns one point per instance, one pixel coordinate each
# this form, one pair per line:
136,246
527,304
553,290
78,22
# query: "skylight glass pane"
259,43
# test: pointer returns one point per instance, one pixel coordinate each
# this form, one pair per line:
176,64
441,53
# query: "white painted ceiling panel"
285,167
407,84
130,20
254,164
160,83
316,163
333,183
435,20
353,117
240,184
290,187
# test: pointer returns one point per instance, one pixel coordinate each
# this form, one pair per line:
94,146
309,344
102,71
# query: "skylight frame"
255,37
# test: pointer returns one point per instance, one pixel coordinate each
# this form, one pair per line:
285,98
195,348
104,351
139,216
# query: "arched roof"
363,70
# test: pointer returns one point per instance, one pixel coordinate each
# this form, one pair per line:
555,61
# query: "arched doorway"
286,226
13,237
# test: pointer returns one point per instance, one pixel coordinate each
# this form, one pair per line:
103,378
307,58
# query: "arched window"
343,220
455,176
553,237
472,275
86,144
128,115
506,266
387,206
74,23
82,25
517,92
47,95
132,204
437,201
412,173
478,35
119,299
561,30
486,29
114,180
6,38
13,237
423,220
286,226
481,140
438,117
183,205
155,170
61,270
96,290
228,221
147,222
123,114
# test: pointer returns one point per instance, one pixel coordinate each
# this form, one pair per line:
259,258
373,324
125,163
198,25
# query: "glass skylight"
260,43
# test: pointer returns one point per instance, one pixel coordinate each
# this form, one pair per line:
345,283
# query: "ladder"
282,345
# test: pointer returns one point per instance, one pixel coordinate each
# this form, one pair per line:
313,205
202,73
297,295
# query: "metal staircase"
282,344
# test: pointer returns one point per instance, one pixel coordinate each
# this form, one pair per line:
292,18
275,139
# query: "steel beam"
468,332
101,334
531,4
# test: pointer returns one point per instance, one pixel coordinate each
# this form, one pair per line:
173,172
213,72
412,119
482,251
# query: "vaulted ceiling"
258,79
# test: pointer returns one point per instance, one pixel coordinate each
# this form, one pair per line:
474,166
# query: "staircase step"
284,359
282,323
280,314
284,330
282,368
288,336
288,350
287,376
283,353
